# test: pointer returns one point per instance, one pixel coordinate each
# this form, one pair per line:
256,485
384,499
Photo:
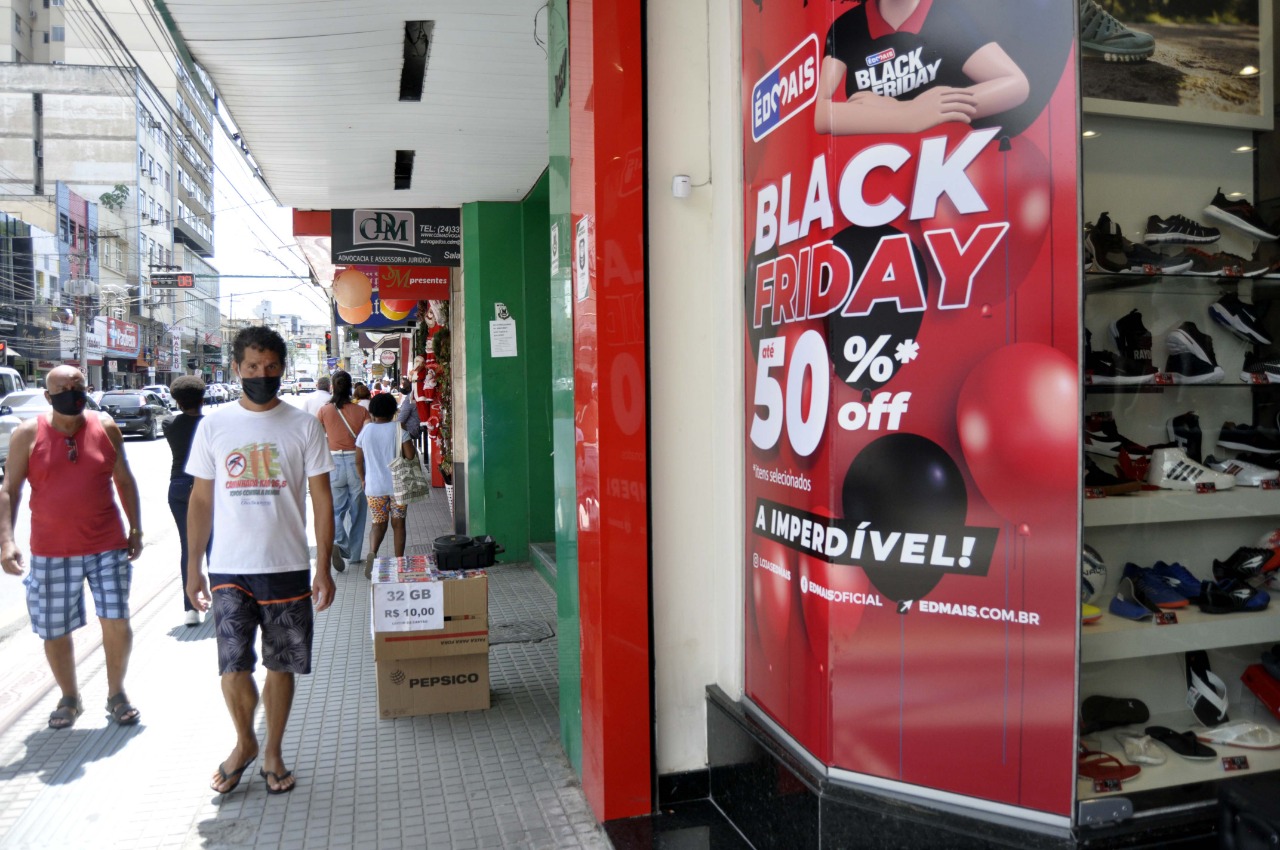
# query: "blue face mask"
260,390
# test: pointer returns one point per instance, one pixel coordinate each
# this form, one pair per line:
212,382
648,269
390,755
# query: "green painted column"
563,426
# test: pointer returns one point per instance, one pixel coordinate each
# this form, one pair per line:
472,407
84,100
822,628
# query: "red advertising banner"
912,458
417,283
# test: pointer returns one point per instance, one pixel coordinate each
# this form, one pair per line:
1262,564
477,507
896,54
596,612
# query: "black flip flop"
1182,743
1206,692
1098,713
272,776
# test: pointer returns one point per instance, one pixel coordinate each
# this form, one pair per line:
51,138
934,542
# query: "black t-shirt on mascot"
931,49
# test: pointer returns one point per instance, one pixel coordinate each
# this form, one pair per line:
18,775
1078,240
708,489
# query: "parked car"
7,423
162,391
28,404
306,385
215,394
287,385
138,412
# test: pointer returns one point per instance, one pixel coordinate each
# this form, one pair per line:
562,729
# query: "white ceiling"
314,87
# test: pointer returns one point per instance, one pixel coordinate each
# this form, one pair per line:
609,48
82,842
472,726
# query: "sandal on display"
1100,767
1206,692
64,716
1182,743
119,710
1140,748
1243,733
1098,713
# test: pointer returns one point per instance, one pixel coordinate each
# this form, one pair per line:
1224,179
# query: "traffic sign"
173,281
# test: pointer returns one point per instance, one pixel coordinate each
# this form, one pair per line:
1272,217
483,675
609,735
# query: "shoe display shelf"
1182,284
1170,506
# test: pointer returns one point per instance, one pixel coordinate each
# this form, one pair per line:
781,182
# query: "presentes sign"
413,237
910,341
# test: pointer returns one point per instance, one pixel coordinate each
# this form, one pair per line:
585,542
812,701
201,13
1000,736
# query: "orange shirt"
340,439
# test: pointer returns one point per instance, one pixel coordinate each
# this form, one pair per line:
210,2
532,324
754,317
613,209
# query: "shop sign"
417,283
412,237
911,457
122,338
364,297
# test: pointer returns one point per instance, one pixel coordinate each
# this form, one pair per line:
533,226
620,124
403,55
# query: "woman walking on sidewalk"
342,419
188,392
376,447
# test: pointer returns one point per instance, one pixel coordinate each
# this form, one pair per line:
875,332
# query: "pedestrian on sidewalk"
188,393
252,464
342,419
376,447
72,460
361,394
318,399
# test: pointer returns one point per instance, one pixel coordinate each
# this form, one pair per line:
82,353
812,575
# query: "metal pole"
82,312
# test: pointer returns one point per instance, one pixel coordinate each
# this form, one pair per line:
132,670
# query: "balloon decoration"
357,314
816,609
904,483
771,601
357,301
352,288
1017,416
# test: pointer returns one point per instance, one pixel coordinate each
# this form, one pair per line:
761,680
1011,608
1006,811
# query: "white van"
10,381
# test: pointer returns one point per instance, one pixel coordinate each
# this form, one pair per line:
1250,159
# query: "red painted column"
606,185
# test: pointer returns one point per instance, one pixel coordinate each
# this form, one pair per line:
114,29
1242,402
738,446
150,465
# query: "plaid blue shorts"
55,590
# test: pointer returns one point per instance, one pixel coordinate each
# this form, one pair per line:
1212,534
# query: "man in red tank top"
72,459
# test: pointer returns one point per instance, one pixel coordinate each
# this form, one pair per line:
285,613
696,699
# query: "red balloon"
1017,416
830,619
400,305
771,598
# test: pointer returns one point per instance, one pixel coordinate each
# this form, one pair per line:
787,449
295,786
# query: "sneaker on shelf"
1104,37
1112,253
1104,368
1171,469
1178,230
1244,564
1096,478
1260,369
1103,437
1191,358
1131,603
1270,541
1236,266
1205,264
1131,337
1239,318
1232,597
1240,215
1153,587
1247,474
1264,461
1179,579
1184,430
1247,438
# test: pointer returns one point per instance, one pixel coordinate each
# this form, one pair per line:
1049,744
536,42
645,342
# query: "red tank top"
73,506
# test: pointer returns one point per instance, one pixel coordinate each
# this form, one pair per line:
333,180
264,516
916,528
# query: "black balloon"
1037,35
904,483
859,243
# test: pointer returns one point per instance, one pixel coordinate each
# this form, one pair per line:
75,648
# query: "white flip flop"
1140,748
1242,733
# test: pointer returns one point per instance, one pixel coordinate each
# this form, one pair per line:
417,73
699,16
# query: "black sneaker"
1102,368
1184,430
1178,230
1104,37
1191,358
1247,438
1131,337
1096,478
1102,437
1239,214
1112,253
1245,564
1238,317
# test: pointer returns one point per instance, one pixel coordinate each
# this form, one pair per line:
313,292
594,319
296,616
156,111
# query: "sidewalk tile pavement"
477,779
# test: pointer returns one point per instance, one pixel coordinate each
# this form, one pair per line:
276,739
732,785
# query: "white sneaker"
1246,474
1171,469
193,618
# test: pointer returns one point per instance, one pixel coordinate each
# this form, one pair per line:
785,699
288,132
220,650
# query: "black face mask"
68,402
260,390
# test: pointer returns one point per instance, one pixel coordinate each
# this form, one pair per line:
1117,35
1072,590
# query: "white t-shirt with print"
377,441
259,463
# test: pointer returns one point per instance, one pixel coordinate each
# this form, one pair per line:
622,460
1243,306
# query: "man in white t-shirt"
318,399
252,463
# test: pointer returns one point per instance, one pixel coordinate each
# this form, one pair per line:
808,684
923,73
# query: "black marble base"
776,799
696,825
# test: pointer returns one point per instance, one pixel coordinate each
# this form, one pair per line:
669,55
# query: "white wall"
695,351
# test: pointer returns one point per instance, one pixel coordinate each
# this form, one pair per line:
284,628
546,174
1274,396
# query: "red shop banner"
911,345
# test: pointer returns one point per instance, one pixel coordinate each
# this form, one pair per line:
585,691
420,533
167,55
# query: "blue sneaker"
1179,579
1232,596
1129,602
1153,587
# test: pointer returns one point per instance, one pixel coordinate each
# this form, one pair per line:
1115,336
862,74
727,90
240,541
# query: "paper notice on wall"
555,249
502,338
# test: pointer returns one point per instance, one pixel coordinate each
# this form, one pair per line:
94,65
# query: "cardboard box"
408,687
430,671
465,623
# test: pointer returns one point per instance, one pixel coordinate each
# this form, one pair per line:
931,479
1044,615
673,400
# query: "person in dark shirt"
188,392
909,65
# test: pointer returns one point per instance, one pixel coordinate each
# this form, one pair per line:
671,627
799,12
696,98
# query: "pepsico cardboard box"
430,638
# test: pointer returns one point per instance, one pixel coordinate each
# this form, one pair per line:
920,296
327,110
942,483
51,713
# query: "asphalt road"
158,563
